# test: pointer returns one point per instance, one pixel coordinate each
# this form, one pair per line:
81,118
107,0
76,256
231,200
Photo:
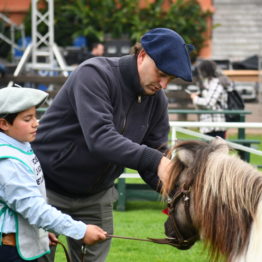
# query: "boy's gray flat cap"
18,99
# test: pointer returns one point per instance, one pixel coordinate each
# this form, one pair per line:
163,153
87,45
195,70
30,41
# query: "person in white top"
212,96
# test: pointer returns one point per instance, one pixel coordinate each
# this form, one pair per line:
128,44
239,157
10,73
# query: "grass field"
142,220
145,219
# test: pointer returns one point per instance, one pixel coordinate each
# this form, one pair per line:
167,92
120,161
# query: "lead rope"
83,252
130,238
84,247
65,251
167,241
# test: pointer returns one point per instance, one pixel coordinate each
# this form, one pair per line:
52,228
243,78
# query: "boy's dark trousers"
10,254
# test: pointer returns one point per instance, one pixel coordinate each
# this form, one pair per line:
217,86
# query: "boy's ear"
4,125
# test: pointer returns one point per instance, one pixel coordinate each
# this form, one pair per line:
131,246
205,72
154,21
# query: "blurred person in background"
212,96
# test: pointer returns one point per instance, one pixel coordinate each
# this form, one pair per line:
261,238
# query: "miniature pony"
216,196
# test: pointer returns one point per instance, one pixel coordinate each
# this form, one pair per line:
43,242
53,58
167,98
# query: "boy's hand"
52,239
94,234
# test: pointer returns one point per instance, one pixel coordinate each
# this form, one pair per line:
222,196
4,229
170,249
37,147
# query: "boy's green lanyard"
3,211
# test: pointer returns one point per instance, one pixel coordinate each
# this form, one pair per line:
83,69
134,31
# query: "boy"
24,213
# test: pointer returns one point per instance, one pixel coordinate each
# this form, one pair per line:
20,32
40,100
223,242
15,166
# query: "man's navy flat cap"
169,52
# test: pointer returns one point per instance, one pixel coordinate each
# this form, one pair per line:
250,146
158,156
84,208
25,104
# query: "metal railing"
11,39
180,126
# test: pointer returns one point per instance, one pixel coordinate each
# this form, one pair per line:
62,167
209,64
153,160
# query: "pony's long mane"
226,192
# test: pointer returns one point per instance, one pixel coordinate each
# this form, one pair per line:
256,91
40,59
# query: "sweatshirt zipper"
139,100
107,168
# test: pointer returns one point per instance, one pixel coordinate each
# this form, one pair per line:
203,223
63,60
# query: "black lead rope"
68,259
167,241
65,251
84,247
129,238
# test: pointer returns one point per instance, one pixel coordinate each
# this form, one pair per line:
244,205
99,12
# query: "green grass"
255,159
142,220
145,219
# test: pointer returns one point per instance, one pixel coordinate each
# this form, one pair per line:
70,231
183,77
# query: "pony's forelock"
175,171
226,205
177,165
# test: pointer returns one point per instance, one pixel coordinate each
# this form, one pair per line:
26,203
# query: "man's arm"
157,137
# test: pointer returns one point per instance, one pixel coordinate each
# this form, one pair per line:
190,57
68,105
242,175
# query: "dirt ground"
256,116
256,109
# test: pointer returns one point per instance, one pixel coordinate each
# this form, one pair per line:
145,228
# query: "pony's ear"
185,156
223,146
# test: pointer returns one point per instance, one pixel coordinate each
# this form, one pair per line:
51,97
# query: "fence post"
121,188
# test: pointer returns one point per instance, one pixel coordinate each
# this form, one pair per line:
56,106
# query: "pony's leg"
254,250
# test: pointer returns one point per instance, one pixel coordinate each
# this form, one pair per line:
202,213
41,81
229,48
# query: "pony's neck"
254,250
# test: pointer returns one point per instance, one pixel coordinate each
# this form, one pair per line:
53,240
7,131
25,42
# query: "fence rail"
129,191
179,126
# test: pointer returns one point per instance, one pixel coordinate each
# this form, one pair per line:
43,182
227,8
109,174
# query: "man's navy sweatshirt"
99,123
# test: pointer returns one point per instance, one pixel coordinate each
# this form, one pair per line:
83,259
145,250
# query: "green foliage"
99,19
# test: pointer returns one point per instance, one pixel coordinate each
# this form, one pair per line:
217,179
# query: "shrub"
97,19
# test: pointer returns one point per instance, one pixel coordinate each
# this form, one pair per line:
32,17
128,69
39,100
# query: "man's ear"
4,125
140,56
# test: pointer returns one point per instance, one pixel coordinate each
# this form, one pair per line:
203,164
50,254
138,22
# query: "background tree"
98,20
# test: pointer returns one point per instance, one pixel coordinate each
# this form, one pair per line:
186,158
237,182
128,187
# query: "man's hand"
163,170
94,234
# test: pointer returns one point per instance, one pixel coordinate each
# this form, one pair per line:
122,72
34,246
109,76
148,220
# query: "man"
111,113
97,49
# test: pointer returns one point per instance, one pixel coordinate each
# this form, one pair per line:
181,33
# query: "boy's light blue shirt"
19,190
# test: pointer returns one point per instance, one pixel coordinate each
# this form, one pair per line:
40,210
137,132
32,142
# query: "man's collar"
129,72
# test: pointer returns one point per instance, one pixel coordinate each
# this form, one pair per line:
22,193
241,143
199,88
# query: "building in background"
234,30
239,31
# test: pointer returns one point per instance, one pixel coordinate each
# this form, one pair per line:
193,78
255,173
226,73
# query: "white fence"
179,126
182,127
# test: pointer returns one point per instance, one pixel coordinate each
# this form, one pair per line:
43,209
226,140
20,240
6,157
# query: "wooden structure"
235,75
244,75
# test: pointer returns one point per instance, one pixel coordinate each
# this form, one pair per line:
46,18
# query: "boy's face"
24,126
